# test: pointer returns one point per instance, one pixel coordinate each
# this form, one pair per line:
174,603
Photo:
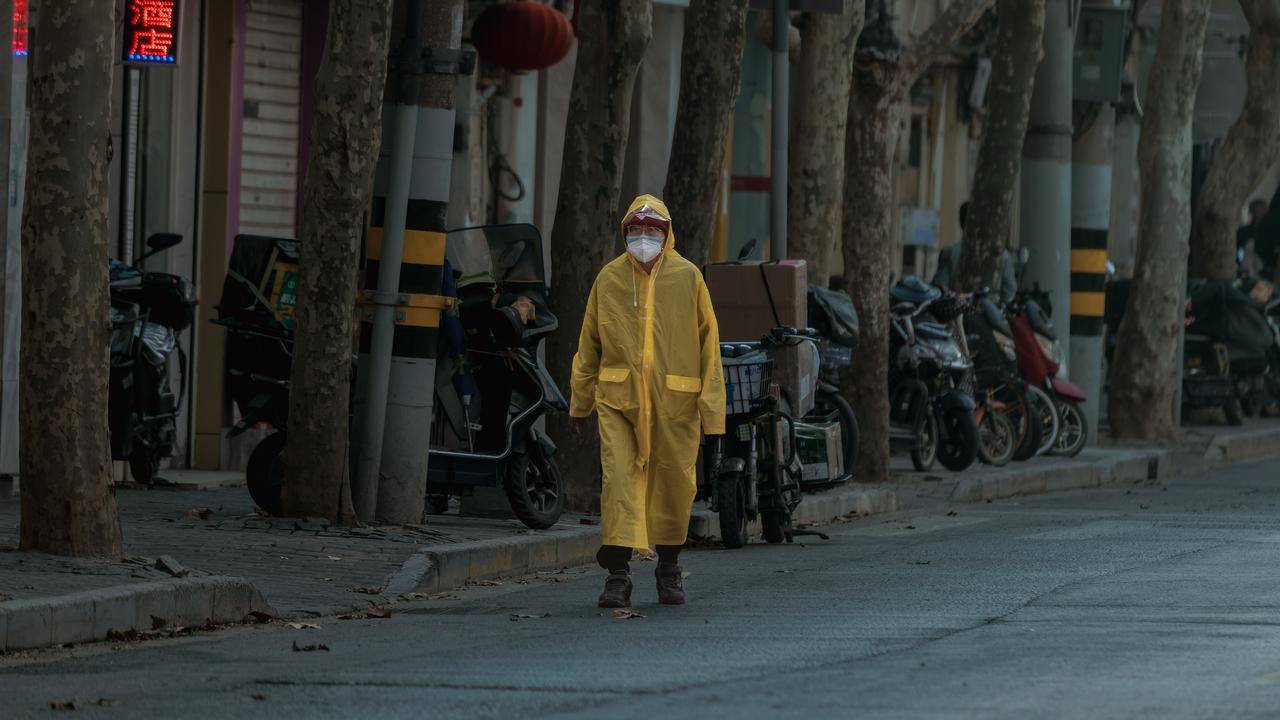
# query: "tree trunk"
882,80
710,75
1147,365
1251,147
877,106
816,175
1018,50
68,503
345,139
611,42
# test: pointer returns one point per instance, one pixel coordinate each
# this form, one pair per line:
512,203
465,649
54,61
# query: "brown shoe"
670,584
617,591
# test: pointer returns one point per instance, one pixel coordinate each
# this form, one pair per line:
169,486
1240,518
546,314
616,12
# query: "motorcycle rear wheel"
1046,410
144,463
731,504
534,487
1075,430
265,474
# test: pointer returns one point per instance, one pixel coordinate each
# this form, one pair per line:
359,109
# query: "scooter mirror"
1024,255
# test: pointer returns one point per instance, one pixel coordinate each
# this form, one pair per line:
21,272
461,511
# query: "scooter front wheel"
1044,408
924,451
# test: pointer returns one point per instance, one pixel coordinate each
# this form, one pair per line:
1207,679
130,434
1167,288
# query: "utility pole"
13,108
1090,229
1045,215
781,126
400,317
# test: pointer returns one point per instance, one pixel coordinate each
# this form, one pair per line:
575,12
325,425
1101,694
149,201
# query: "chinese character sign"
19,28
151,32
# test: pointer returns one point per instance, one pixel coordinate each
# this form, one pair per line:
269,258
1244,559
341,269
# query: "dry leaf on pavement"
378,612
158,622
302,626
626,614
199,513
309,648
517,617
62,704
259,617
367,590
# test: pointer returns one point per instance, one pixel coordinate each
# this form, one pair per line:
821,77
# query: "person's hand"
579,427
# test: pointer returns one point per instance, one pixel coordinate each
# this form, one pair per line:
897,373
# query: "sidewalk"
233,562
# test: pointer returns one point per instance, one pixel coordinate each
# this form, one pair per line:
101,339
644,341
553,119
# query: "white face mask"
645,248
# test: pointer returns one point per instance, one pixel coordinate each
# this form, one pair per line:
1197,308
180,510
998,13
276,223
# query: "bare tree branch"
946,31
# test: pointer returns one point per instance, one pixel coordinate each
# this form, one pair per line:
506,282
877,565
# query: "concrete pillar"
1045,216
1090,228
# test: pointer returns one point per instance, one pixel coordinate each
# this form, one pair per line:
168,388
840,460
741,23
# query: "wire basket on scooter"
746,384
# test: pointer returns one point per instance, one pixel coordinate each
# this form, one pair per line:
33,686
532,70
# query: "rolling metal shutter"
269,139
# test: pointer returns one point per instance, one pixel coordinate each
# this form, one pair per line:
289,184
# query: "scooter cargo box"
752,298
261,286
821,456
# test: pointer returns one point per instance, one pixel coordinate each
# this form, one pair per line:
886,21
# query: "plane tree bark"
884,71
345,139
1147,365
68,502
1251,148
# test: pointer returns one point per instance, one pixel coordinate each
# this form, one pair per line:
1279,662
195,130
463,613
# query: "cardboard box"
741,300
819,449
796,371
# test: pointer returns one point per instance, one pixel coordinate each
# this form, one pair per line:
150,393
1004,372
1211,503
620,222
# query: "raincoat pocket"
614,389
682,396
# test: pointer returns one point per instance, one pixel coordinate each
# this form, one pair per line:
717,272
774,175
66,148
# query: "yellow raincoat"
648,363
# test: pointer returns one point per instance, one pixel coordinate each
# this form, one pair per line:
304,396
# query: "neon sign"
151,32
20,28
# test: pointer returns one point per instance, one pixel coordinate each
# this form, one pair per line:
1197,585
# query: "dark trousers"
615,558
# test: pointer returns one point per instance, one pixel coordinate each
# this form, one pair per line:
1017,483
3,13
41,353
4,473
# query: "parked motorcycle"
1040,359
927,409
998,384
148,310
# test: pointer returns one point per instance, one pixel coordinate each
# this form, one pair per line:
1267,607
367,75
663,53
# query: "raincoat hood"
658,207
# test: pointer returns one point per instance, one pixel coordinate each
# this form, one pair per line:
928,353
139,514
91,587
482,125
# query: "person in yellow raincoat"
648,364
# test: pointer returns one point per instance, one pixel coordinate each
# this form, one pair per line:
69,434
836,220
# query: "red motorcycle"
1040,358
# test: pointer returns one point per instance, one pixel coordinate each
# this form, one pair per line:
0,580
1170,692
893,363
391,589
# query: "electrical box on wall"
1099,53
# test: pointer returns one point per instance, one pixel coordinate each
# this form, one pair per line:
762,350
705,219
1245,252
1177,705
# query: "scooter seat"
936,331
915,291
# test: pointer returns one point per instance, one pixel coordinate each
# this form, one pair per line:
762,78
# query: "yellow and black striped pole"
1090,230
404,269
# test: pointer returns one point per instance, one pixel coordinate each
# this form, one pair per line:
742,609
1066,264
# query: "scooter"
483,433
148,310
927,409
836,322
1040,359
753,468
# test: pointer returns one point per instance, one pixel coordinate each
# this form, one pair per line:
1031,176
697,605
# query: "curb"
822,508
88,616
442,569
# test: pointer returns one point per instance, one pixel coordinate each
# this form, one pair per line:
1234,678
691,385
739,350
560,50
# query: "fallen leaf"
347,616
588,521
302,626
62,705
258,696
910,527
953,513
200,513
129,635
158,622
1144,507
784,572
626,614
517,617
309,648
260,617
487,583
923,562
367,590
377,612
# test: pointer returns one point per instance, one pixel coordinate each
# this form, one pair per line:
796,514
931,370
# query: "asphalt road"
1134,602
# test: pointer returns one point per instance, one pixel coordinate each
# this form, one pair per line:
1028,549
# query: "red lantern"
522,35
